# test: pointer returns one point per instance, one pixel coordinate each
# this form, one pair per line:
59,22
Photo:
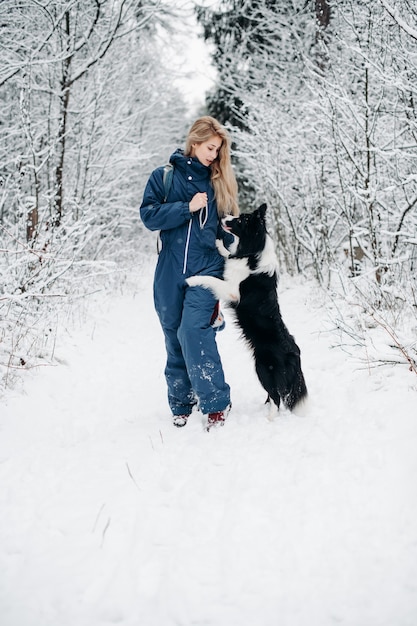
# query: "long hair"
222,175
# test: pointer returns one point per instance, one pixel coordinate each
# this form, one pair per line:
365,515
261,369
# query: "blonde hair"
222,175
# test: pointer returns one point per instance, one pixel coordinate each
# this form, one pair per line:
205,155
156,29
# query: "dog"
249,286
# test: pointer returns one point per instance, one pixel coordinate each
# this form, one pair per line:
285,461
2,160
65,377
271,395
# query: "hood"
190,165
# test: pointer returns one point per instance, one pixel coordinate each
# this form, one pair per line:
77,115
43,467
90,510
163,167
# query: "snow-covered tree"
87,110
321,97
325,126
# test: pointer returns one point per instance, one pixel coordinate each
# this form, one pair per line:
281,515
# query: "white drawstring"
202,217
187,243
203,220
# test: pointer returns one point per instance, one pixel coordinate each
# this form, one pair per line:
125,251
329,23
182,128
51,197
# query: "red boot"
217,419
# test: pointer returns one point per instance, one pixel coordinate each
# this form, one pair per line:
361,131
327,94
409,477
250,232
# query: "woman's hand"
198,202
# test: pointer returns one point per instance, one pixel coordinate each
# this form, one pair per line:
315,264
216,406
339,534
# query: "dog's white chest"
236,271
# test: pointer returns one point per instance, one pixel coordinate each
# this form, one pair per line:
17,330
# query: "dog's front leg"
223,251
222,289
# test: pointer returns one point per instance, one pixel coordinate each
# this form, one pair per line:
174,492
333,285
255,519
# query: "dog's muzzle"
225,221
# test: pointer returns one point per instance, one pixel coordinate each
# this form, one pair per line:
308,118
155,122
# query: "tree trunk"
63,116
322,13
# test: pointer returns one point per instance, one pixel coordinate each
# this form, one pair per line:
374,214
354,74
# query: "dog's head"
249,230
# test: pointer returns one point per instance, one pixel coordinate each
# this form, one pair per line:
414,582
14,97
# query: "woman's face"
207,151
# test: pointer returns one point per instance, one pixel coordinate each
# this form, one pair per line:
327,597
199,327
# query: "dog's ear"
262,209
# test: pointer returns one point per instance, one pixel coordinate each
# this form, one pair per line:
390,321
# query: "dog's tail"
296,395
302,407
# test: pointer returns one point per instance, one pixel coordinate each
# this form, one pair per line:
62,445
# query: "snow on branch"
401,23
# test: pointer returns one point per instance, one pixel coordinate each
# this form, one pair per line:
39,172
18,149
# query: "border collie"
249,285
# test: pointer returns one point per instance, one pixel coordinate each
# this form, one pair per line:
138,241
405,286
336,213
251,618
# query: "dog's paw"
192,281
223,251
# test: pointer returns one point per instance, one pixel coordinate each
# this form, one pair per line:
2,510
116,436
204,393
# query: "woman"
202,191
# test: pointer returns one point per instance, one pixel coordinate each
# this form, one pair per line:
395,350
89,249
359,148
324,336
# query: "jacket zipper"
187,243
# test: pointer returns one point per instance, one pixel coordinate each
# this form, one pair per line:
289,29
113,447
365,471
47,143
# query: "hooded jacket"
189,237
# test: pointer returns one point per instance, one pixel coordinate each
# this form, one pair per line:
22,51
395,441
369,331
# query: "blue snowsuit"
193,372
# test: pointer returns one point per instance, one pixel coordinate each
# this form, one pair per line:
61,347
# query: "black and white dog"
249,285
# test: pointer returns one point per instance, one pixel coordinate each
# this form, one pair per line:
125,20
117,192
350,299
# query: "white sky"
199,74
189,56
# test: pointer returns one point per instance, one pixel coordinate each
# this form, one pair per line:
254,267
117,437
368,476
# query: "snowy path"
109,515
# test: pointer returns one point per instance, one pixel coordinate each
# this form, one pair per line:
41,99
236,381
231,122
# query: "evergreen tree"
260,47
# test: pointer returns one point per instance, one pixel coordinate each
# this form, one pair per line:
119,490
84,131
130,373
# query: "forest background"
320,98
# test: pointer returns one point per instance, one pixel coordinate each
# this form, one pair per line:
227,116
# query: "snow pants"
194,372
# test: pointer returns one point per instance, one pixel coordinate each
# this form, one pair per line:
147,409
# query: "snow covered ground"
110,515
